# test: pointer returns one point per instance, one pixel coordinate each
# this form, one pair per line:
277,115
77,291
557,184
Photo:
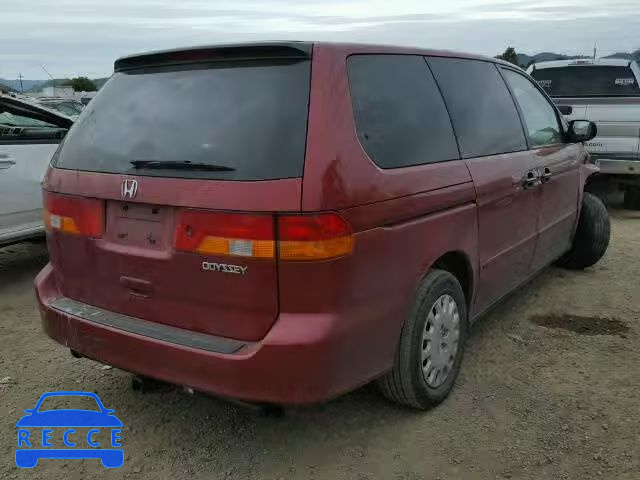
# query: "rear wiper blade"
180,165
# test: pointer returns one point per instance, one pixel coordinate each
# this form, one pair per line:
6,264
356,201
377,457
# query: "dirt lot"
550,389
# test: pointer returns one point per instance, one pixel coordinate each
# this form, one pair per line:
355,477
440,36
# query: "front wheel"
431,344
592,235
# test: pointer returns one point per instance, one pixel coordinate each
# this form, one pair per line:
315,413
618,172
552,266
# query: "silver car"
29,135
607,92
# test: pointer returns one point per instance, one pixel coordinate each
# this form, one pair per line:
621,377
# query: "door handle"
531,178
546,175
6,161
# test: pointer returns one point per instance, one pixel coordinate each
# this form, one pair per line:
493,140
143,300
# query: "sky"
84,37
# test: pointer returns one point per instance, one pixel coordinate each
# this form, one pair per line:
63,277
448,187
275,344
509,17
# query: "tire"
407,383
600,186
592,235
632,197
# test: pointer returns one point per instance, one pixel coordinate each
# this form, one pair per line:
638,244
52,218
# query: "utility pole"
20,77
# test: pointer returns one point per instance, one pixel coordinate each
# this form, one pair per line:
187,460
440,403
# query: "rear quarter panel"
618,127
20,191
403,219
618,121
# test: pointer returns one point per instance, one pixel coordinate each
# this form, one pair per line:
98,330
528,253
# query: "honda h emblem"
129,188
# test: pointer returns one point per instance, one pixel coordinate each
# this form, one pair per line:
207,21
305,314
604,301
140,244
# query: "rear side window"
587,81
484,116
249,117
400,115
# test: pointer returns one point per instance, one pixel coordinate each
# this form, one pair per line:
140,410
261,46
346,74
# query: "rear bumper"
305,358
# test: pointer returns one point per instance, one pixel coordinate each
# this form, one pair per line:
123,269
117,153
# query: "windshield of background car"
69,109
12,120
587,81
249,116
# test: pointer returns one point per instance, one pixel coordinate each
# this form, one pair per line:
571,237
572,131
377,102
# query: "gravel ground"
549,389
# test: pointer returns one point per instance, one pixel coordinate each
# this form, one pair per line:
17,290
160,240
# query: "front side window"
484,115
401,118
539,116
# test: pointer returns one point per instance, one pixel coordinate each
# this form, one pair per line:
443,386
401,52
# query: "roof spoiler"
216,53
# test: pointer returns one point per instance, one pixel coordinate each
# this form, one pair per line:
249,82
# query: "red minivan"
284,222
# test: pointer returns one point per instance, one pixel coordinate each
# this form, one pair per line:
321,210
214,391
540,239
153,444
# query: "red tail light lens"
214,233
314,237
300,237
74,215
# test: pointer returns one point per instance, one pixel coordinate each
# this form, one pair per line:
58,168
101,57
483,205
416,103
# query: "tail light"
314,237
213,233
297,237
74,215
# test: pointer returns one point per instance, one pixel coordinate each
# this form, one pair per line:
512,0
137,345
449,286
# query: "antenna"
20,77
595,50
50,76
47,72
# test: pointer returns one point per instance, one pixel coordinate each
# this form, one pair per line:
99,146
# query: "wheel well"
457,264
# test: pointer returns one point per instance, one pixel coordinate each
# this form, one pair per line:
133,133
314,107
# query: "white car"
607,92
29,136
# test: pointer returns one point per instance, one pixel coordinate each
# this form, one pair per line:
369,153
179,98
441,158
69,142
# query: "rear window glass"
587,81
484,115
400,115
249,117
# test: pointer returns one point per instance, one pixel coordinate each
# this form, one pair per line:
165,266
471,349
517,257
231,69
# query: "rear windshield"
587,81
249,118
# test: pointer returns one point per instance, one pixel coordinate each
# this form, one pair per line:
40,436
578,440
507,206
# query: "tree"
83,84
509,55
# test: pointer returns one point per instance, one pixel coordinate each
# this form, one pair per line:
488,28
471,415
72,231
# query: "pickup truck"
607,92
29,135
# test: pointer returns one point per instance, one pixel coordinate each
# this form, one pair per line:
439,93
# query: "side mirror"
582,131
565,109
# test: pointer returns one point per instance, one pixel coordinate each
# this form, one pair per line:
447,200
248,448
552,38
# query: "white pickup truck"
29,135
607,92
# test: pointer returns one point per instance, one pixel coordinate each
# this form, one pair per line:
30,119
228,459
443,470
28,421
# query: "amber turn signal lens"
320,236
74,215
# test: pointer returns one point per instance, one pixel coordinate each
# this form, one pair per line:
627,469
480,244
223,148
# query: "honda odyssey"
284,222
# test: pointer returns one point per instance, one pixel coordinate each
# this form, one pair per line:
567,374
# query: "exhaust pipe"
76,354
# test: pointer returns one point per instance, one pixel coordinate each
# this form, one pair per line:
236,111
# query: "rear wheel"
431,344
632,197
592,236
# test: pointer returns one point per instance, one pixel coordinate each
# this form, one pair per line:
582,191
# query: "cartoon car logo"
68,420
